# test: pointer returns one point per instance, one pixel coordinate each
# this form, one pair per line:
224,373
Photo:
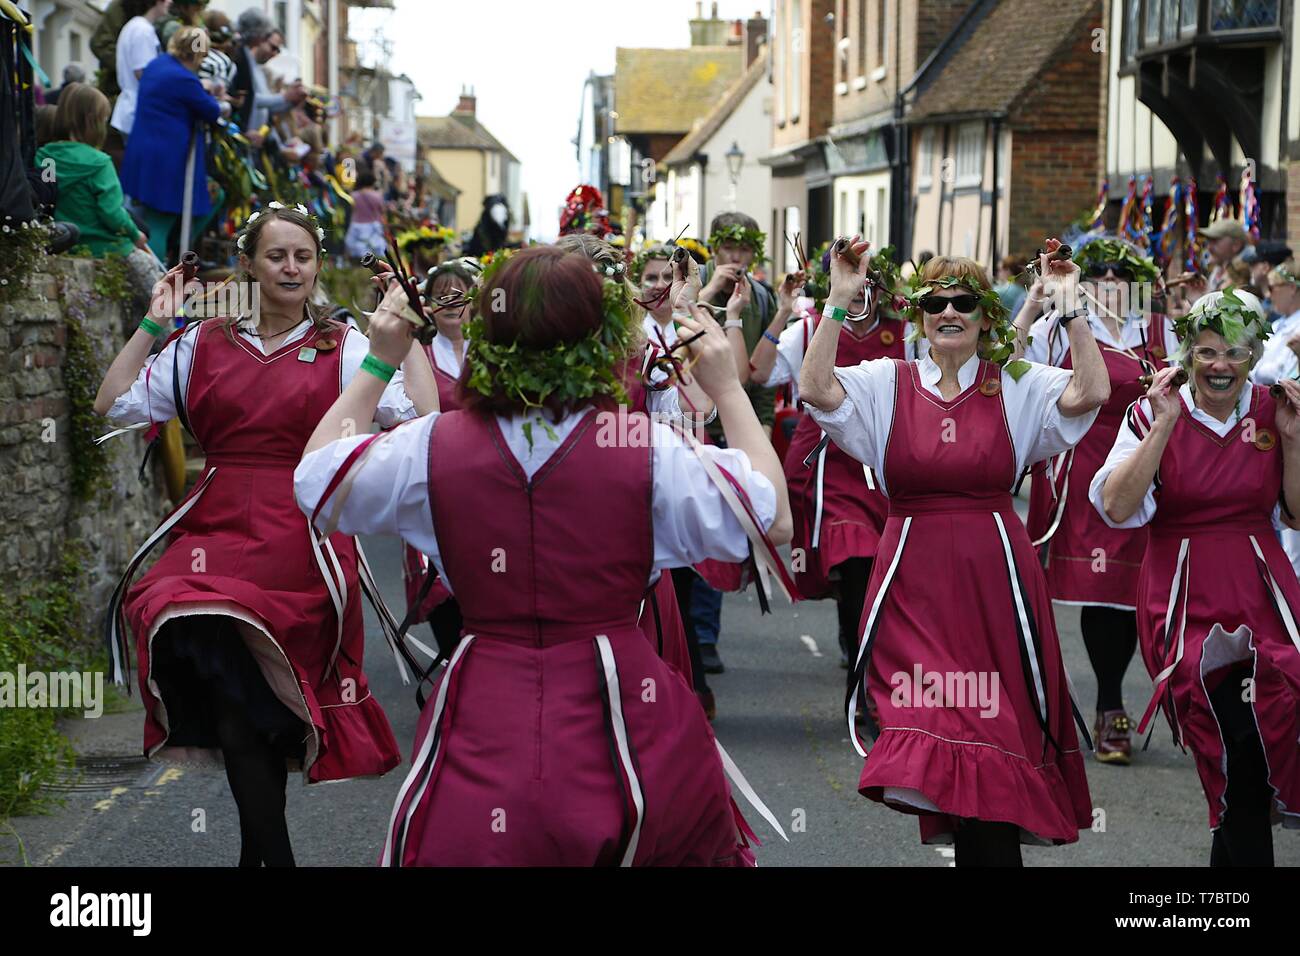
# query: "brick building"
1003,127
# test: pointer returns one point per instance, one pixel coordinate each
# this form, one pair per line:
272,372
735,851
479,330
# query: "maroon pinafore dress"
243,549
415,566
1216,589
1086,560
837,508
957,596
556,735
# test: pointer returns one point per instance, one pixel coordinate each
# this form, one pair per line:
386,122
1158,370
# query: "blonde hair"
189,44
82,115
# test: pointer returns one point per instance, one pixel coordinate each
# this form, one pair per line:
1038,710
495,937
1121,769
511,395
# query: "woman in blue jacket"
171,102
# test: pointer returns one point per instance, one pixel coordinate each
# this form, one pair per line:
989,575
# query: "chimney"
755,37
467,102
711,32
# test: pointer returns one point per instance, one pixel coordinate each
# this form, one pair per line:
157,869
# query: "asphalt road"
779,715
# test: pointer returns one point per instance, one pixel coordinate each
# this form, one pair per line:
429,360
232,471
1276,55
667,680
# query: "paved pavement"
779,715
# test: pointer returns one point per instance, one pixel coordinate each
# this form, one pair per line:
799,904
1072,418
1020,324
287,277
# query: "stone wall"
38,513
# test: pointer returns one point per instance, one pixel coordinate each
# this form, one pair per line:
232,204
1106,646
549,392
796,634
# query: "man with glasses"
260,43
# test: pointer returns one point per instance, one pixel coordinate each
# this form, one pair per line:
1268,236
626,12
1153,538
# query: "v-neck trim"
561,451
266,358
1232,434
949,403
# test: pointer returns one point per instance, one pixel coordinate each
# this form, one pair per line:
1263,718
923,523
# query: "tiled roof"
711,123
666,91
1009,47
458,131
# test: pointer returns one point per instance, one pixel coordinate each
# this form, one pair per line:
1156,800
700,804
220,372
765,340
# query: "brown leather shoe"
1113,738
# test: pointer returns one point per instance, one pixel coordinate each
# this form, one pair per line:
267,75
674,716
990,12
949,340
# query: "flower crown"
1230,317
311,218
997,344
753,239
574,371
1117,250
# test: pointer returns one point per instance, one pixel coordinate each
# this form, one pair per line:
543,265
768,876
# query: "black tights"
1110,635
854,573
986,843
683,583
257,775
1245,833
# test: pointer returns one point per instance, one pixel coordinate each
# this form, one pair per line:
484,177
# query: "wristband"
733,324
1069,317
150,326
833,313
771,338
378,368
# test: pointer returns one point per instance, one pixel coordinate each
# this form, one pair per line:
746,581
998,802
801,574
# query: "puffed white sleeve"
390,488
1037,350
1126,443
394,404
666,405
1038,427
692,521
857,425
789,356
151,397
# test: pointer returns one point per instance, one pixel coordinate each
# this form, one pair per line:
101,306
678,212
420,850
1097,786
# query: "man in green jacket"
104,45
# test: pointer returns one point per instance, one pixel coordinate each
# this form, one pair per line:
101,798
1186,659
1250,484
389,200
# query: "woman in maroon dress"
1208,467
838,509
446,286
959,651
248,628
1088,563
556,735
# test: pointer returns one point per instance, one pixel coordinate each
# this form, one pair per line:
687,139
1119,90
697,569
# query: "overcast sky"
527,62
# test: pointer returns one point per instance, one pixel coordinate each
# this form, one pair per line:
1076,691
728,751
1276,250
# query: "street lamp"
735,160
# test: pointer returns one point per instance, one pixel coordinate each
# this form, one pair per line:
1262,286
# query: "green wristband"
834,313
150,326
378,368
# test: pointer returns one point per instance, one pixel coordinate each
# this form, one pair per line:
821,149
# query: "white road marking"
810,644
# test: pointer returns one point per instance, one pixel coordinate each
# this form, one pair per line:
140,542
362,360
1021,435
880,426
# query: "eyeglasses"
1237,355
1098,269
965,304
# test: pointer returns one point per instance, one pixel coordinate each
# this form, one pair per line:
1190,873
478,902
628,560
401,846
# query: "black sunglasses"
1098,269
965,304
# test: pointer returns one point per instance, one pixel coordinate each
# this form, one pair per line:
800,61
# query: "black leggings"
1245,833
257,775
1110,636
986,843
683,582
854,573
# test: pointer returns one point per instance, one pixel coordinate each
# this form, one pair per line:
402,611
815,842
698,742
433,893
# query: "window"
880,33
843,225
1132,15
791,227
796,60
74,46
842,49
925,159
862,37
862,216
881,230
778,62
970,154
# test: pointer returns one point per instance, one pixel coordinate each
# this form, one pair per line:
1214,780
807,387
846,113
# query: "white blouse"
1131,335
861,423
150,397
445,357
1278,361
391,493
1126,443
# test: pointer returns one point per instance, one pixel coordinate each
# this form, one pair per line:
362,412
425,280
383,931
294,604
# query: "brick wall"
1055,143
37,513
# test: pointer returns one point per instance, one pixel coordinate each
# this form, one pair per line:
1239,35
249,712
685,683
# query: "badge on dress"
886,337
306,354
1265,439
990,387
1157,352
326,345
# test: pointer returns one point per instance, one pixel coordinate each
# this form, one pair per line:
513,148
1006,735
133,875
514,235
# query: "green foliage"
1231,317
349,287
997,344
1116,250
22,248
112,279
81,377
754,239
35,626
